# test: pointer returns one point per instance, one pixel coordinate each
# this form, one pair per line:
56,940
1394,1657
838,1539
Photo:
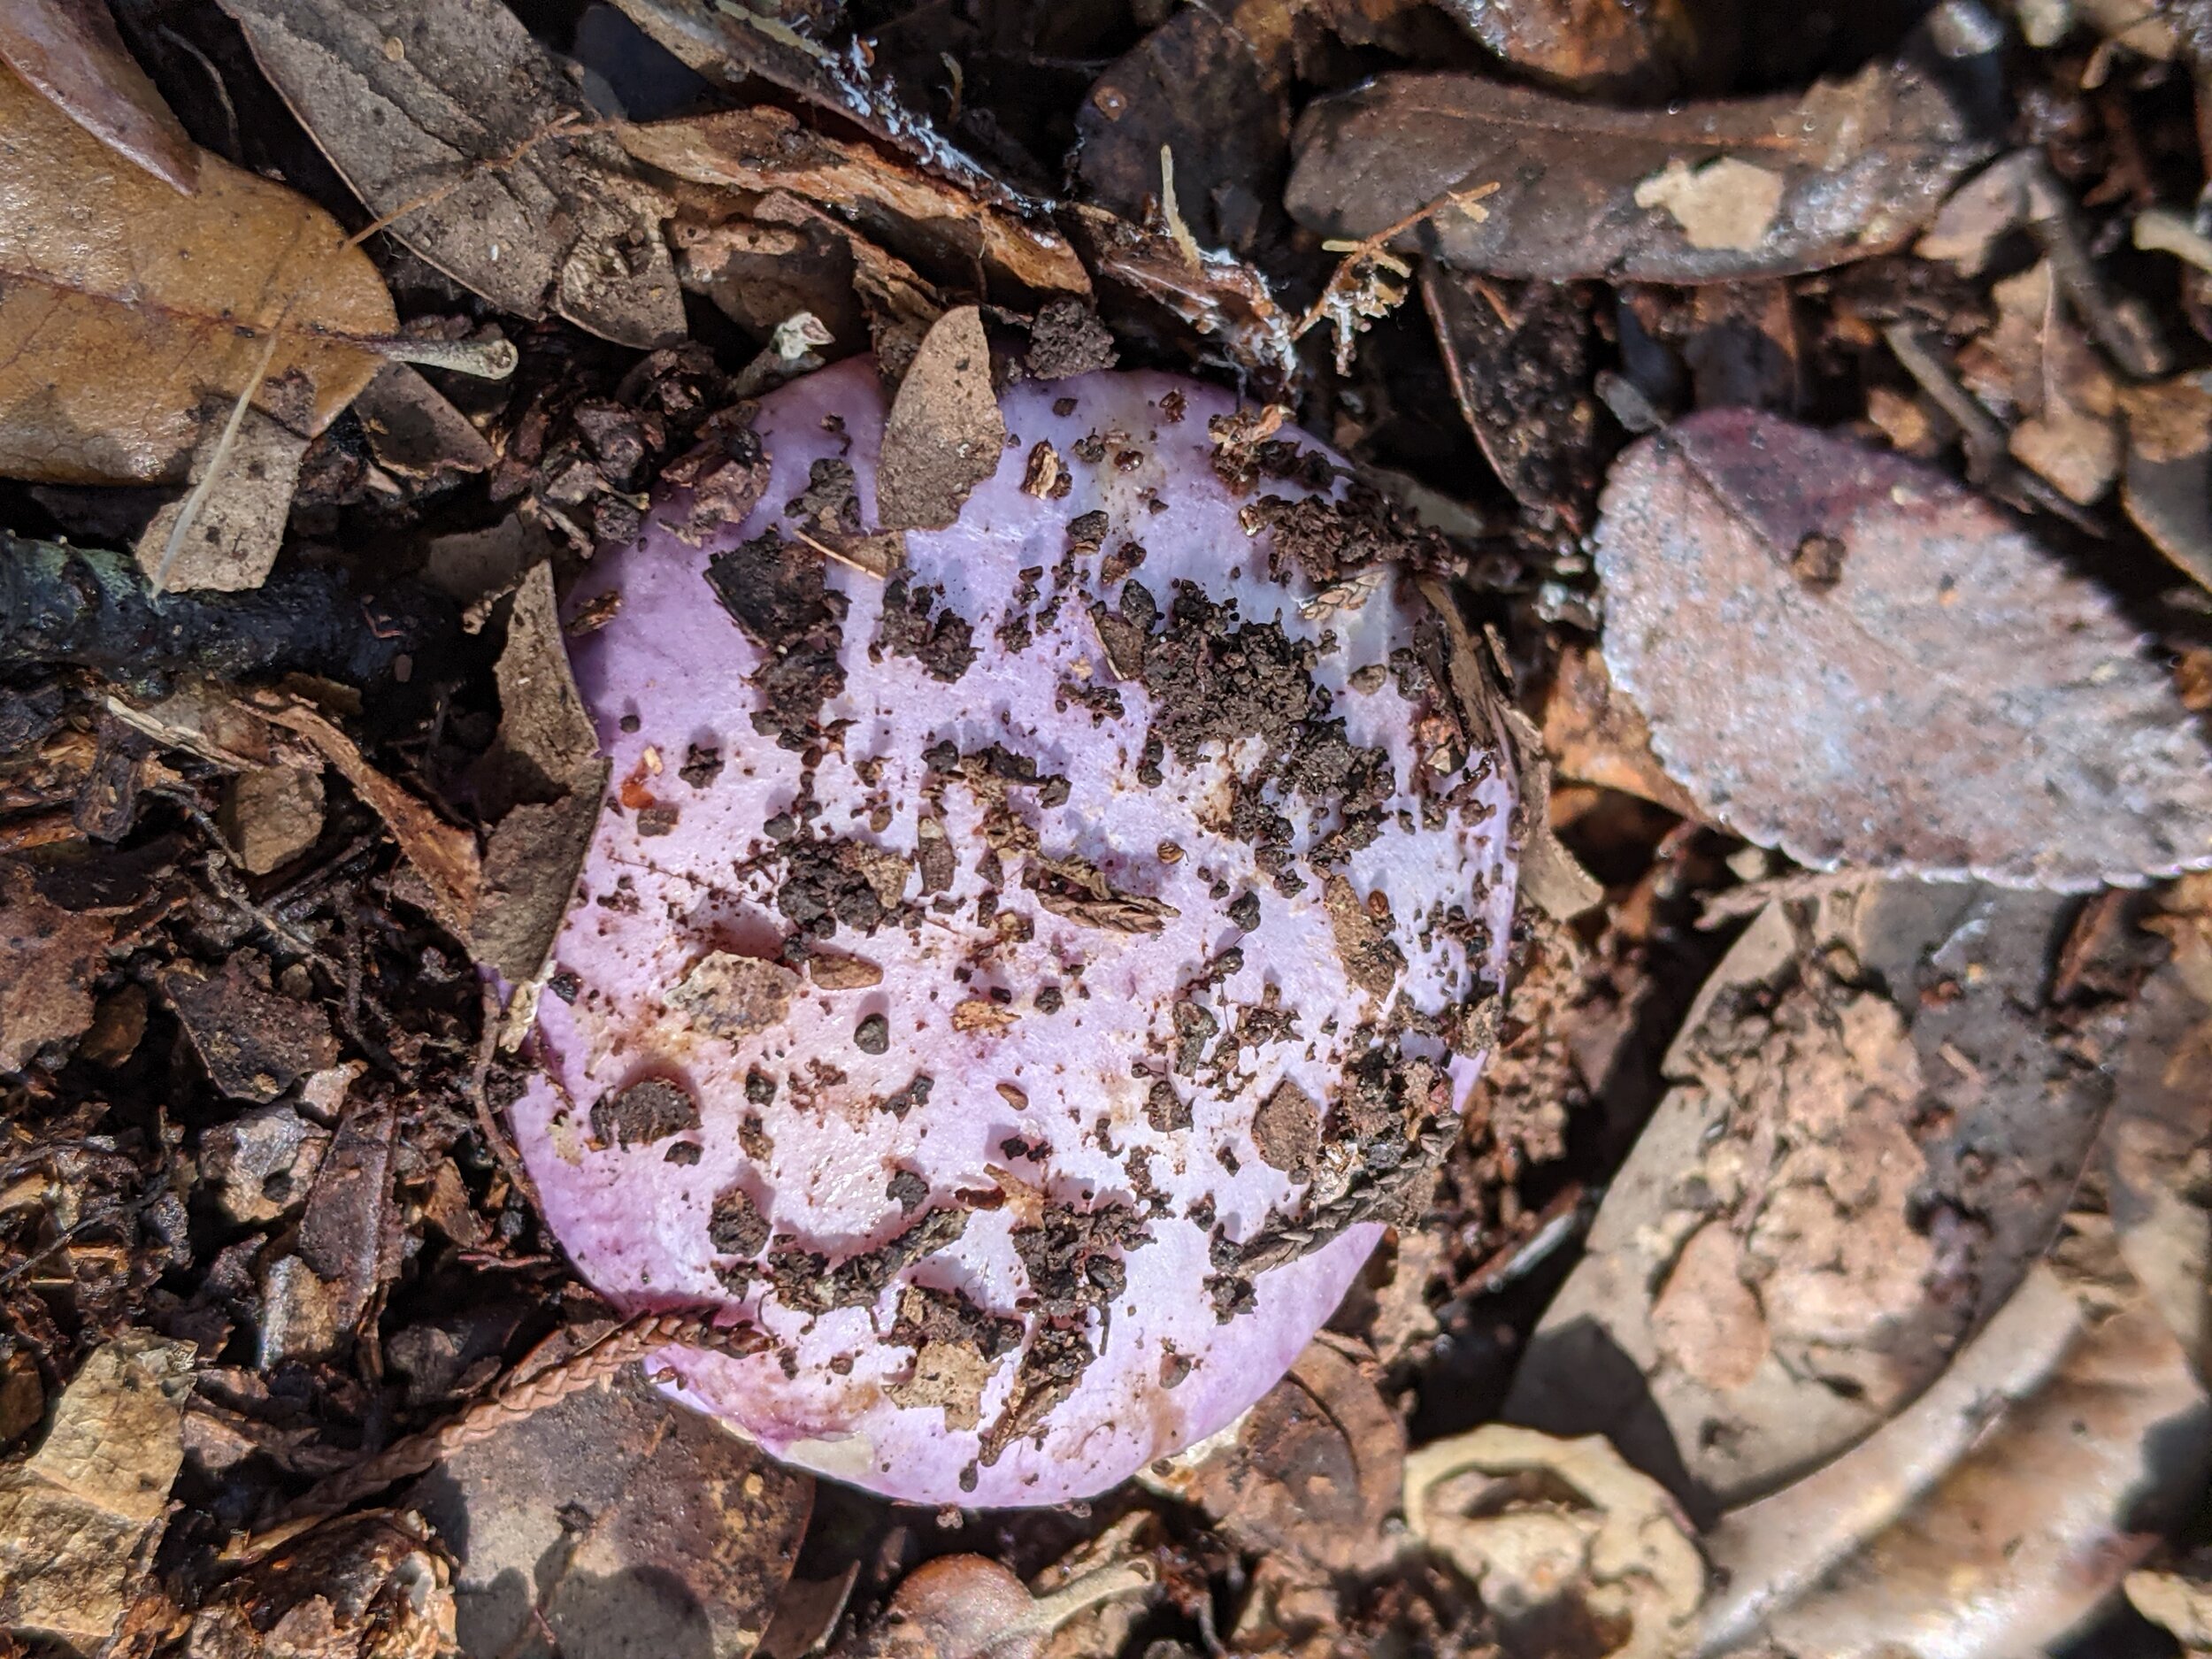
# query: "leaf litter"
1917,1142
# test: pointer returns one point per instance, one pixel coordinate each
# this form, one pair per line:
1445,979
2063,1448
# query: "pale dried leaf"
454,101
75,1515
237,525
1953,703
945,434
1614,1543
130,315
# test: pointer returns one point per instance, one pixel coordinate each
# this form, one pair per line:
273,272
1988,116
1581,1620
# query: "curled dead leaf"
1541,1525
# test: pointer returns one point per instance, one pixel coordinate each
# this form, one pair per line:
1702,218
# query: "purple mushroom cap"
1007,984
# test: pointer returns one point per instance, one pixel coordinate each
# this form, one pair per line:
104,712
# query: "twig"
1354,292
480,1100
1988,449
522,1392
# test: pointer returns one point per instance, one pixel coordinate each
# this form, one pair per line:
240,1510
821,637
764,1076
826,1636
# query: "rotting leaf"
443,854
52,956
1221,299
132,317
368,1587
945,434
1779,1262
255,1042
72,52
1519,361
76,1515
1197,86
1953,703
765,149
1860,166
671,1535
447,116
1548,1529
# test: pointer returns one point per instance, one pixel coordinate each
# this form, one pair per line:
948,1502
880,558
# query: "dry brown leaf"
52,956
690,1535
129,313
1856,168
369,1586
767,148
72,52
449,115
1596,737
443,854
945,434
1311,1472
2168,489
77,1514
545,777
1847,656
1996,1511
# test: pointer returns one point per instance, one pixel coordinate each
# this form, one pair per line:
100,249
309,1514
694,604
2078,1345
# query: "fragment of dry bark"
765,148
446,115
1700,193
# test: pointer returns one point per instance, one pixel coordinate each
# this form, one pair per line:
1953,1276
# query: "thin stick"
522,1392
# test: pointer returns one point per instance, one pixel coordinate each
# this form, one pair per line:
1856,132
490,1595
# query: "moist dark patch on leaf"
735,1225
774,591
648,1111
945,645
805,1280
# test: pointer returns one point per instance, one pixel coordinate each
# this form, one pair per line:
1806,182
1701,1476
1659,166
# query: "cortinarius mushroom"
1012,983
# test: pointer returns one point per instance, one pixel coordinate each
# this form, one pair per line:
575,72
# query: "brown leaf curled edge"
1945,702
1700,193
